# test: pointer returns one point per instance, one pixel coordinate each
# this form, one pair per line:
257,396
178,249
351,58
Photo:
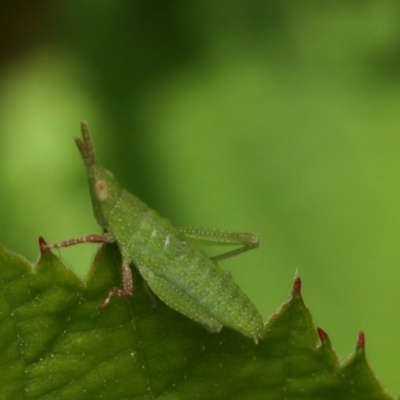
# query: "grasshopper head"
104,189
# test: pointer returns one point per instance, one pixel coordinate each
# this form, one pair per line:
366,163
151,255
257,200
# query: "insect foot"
127,289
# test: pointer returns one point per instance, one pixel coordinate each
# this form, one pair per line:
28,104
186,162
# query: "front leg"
127,286
70,242
127,281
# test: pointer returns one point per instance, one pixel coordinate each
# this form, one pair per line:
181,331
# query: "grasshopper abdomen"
175,268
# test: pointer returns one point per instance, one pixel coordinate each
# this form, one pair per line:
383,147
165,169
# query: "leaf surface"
56,344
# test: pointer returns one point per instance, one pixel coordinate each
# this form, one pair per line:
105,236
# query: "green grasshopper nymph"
168,258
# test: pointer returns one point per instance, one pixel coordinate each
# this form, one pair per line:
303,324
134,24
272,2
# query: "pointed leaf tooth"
297,287
322,335
42,244
361,341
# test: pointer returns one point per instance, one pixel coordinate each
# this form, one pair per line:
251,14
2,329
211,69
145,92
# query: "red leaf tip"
322,334
361,340
297,286
42,244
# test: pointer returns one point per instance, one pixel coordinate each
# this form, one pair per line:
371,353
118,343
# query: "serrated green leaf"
56,344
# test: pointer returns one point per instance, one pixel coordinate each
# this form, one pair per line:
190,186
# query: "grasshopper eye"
101,190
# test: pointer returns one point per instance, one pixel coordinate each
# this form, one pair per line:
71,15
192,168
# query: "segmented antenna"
85,147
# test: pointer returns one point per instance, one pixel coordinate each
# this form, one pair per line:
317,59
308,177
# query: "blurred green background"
278,118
